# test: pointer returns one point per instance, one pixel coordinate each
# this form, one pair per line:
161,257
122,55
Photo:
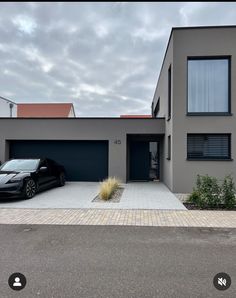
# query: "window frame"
222,57
157,108
169,92
169,147
228,158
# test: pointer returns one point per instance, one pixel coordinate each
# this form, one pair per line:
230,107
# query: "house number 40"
118,142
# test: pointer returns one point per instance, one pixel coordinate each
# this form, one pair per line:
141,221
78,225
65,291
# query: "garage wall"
113,130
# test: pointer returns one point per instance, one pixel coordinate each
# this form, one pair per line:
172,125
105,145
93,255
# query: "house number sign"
117,142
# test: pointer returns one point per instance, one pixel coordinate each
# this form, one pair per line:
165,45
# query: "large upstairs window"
209,85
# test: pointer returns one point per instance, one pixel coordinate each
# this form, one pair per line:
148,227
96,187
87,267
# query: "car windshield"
20,165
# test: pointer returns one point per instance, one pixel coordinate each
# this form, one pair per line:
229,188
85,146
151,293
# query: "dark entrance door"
139,160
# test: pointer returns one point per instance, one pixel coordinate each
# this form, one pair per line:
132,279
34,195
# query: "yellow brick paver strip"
139,217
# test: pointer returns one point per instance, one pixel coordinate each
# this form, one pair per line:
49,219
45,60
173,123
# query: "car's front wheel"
62,179
30,189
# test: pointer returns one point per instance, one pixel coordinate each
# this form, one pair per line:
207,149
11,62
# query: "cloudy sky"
103,57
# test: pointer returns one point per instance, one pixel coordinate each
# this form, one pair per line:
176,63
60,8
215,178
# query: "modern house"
192,129
45,110
196,93
8,108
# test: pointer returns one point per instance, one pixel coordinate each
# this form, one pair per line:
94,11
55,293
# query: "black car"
25,177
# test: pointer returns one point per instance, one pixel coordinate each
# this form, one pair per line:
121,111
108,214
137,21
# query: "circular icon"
17,281
222,281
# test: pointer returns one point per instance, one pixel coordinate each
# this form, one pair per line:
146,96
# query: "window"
169,148
43,163
20,165
157,108
208,146
169,93
209,85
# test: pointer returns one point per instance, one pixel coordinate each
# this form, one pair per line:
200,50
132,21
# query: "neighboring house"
45,110
8,108
192,130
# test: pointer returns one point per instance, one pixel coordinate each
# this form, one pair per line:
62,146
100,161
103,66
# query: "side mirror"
43,169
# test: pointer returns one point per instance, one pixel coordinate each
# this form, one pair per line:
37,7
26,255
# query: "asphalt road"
116,261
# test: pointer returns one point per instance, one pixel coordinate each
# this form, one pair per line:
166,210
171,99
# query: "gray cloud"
104,57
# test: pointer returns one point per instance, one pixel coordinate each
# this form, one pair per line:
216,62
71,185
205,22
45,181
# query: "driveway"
75,195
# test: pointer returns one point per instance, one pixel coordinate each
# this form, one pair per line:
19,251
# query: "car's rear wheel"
62,179
30,189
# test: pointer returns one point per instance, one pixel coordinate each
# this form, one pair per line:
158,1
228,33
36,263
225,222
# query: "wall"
110,129
200,42
162,92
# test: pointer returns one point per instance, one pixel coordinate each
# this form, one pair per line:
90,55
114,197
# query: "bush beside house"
212,193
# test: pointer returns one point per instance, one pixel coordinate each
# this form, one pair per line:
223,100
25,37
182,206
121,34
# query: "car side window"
43,163
50,163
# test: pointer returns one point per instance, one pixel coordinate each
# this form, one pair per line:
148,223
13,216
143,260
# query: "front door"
139,160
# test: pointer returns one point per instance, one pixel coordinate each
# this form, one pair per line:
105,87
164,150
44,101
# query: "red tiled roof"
135,116
44,110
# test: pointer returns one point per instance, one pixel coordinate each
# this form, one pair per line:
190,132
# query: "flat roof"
203,27
80,118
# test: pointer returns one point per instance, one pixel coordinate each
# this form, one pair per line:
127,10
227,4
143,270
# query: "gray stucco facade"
110,129
180,173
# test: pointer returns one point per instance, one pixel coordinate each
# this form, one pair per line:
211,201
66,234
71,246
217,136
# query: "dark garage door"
83,160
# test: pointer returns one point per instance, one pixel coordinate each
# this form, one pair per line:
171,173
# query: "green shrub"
210,193
228,192
194,197
206,193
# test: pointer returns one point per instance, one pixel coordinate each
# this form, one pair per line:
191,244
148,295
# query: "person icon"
17,282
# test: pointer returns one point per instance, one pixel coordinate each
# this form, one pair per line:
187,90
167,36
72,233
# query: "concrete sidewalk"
177,218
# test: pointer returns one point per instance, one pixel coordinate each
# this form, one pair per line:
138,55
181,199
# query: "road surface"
116,261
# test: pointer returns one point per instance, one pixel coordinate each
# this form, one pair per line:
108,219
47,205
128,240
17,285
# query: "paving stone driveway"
75,195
